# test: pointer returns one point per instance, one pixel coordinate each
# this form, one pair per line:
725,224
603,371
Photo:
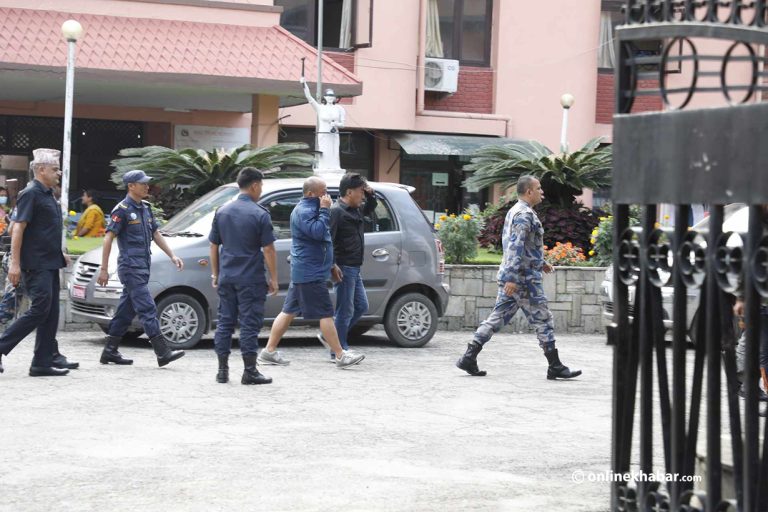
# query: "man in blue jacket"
311,264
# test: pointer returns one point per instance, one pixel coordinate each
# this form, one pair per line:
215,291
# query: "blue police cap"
135,177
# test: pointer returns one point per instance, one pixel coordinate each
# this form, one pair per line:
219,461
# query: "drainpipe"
420,59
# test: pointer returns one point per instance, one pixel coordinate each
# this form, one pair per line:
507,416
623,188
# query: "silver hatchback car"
402,271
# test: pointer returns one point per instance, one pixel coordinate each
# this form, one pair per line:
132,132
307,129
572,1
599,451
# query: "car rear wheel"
182,320
411,320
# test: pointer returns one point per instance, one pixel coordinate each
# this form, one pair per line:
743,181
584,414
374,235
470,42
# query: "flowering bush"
601,238
459,236
564,255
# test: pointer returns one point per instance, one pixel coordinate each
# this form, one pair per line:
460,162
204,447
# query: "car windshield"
196,219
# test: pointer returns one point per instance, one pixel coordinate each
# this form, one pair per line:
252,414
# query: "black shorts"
311,301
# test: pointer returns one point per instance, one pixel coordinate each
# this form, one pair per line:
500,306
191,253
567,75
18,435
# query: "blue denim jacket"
311,246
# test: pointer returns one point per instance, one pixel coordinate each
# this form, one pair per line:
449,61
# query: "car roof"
332,181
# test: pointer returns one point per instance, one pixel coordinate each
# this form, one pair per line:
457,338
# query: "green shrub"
459,236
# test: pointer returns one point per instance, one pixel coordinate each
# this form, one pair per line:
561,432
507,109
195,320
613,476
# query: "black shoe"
222,377
468,362
761,395
110,354
558,370
60,361
164,354
250,374
46,371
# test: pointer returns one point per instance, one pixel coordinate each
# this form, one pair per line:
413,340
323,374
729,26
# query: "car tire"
182,320
411,320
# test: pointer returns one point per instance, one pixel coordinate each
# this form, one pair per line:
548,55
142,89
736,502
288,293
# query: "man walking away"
520,283
241,242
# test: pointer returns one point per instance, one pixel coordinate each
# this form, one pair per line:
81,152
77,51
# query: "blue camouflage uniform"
134,227
523,244
241,228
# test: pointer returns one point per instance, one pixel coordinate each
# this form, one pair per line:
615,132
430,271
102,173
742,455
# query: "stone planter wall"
573,293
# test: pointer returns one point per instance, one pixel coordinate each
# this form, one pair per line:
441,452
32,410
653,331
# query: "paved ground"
403,431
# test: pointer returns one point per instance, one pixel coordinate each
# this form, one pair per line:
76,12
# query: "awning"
140,62
429,144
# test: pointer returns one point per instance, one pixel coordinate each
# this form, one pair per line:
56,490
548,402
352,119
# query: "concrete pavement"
405,430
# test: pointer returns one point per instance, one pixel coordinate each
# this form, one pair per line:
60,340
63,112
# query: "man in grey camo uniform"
520,284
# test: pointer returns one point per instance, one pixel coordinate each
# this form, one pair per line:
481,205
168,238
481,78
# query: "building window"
300,18
611,16
460,30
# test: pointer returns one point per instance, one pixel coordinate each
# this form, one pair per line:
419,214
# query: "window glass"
298,18
382,219
446,9
198,217
473,30
280,209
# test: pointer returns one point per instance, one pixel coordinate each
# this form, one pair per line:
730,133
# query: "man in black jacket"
356,201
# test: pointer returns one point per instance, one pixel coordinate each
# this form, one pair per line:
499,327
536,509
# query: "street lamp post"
71,30
566,100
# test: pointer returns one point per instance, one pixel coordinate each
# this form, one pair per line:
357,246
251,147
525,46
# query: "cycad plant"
562,176
200,171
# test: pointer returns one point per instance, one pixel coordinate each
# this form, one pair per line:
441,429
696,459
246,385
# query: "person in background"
91,222
4,219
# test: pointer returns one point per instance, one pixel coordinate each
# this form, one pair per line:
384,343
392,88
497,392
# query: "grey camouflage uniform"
523,245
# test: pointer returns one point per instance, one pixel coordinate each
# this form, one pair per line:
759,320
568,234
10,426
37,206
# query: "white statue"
330,117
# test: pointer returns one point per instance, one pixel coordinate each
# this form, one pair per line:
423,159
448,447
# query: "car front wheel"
182,320
411,320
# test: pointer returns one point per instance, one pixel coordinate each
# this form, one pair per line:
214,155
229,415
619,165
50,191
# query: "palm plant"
562,176
200,171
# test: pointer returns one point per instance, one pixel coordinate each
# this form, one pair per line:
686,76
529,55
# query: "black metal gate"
684,156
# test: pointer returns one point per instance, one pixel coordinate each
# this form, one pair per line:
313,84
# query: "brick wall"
346,60
606,98
474,93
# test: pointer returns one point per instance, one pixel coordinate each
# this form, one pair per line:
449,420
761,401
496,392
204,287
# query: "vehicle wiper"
183,233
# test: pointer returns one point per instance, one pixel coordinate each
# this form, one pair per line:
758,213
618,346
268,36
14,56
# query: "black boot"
1,364
60,361
223,376
164,354
558,370
110,354
251,375
468,362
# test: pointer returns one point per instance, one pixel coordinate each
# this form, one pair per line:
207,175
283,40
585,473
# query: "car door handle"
380,253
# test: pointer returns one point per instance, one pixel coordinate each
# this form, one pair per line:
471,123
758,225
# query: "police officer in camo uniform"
134,226
520,283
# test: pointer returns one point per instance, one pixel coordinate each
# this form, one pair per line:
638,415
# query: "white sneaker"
348,359
276,358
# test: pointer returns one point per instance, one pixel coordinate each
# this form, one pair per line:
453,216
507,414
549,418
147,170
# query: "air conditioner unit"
441,75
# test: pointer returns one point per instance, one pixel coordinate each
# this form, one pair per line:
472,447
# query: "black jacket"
348,231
